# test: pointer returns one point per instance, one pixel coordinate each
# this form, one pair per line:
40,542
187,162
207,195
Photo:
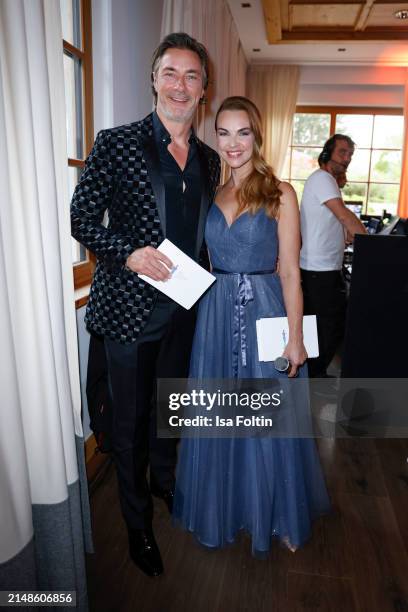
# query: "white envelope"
273,335
188,281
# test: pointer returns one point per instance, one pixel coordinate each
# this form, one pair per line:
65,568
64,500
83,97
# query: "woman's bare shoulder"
286,189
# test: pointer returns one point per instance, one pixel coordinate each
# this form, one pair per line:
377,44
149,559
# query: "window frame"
333,111
83,271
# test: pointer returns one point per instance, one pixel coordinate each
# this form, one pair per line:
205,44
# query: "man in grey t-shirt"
326,225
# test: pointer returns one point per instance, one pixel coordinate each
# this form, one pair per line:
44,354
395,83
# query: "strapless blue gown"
270,487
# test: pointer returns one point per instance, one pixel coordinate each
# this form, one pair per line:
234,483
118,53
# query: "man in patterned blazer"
156,180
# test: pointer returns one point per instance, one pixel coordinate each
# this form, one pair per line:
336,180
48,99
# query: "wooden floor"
357,558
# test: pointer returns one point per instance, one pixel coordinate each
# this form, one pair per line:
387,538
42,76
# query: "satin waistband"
218,271
244,295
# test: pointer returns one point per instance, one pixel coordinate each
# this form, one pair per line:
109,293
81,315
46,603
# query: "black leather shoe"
144,551
166,496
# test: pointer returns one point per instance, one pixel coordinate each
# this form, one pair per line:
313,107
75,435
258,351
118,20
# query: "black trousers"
324,294
162,351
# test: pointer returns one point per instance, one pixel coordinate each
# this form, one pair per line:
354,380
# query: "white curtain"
211,23
44,513
274,89
403,194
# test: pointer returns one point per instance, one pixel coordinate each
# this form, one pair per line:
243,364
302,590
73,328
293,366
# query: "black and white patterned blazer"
122,176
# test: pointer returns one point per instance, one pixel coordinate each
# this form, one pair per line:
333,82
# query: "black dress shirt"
182,190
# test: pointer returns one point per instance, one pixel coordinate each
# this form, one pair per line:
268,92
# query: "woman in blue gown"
270,487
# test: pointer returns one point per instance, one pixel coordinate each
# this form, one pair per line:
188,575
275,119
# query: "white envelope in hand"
273,334
188,280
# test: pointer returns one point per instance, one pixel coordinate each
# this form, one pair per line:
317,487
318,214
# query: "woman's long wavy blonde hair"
260,188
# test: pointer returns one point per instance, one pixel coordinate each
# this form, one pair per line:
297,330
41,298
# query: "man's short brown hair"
180,40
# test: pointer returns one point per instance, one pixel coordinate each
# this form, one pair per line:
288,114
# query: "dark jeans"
161,351
324,294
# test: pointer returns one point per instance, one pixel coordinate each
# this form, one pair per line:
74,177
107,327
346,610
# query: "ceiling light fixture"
402,14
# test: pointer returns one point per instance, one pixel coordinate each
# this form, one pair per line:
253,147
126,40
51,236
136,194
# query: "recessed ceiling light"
403,14
246,4
256,50
341,49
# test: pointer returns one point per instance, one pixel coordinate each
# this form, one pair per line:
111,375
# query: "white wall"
125,34
352,86
83,346
102,64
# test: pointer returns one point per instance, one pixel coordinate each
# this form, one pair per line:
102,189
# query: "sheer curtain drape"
274,89
44,514
403,195
210,21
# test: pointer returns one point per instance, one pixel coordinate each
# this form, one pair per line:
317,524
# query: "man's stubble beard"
176,118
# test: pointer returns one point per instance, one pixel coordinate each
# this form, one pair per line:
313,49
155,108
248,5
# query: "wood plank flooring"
356,561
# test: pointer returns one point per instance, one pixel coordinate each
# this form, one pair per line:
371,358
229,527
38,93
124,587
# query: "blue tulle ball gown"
273,488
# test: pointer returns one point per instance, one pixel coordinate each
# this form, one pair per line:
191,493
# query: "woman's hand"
297,355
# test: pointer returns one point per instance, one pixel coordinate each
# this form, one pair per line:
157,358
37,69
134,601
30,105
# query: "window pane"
298,187
304,162
358,127
386,166
388,131
73,101
286,166
382,197
359,166
78,250
355,192
74,174
71,21
311,129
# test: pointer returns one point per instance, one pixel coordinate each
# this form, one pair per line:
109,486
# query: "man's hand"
149,261
348,239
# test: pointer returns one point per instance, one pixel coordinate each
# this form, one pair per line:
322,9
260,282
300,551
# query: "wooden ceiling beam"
363,16
273,24
285,11
298,35
322,2
290,20
342,2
